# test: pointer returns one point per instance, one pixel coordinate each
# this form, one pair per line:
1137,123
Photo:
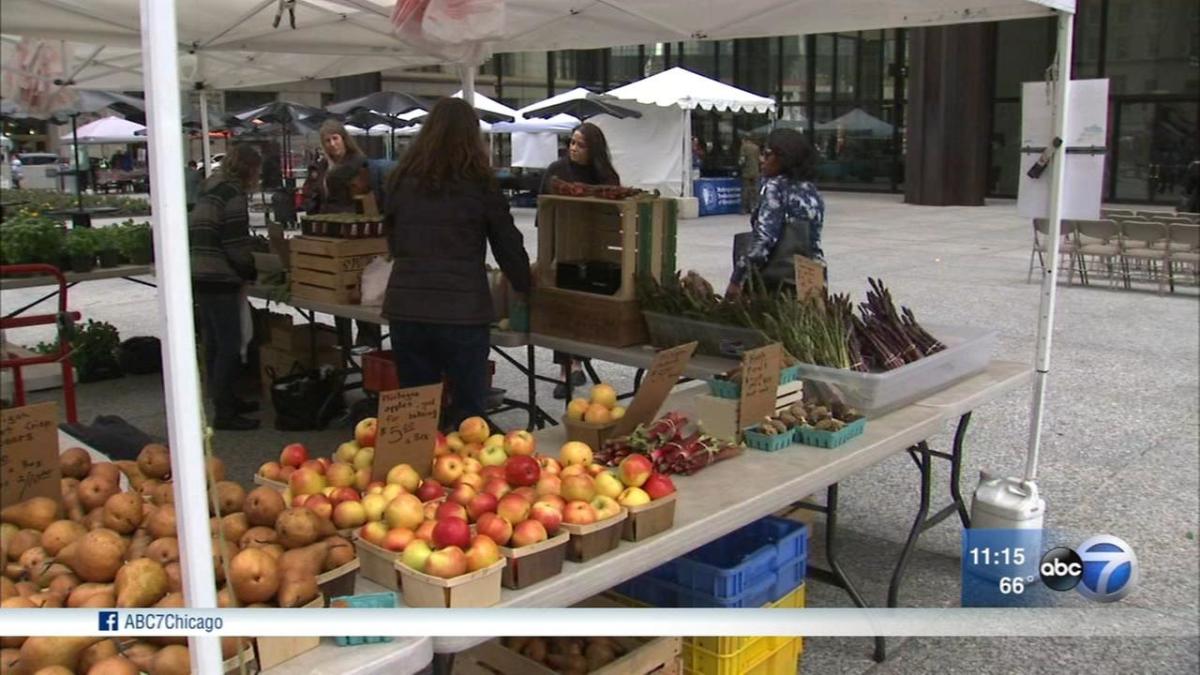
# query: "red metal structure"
63,319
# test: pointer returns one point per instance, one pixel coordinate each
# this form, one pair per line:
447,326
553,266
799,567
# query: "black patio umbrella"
286,117
585,106
365,119
389,103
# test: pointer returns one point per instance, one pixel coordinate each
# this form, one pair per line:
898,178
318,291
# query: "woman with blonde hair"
341,176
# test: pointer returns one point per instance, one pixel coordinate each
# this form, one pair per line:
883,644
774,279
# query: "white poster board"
646,151
1087,127
534,150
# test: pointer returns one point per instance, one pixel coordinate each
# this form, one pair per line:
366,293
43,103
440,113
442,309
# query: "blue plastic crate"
788,577
365,600
659,593
742,559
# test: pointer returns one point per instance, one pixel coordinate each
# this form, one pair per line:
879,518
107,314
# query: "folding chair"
1188,238
1098,239
1041,230
1137,242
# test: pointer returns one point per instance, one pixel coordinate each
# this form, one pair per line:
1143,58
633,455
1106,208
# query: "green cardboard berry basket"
760,441
830,439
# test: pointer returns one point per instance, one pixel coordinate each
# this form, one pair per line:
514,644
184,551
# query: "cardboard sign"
408,425
662,376
760,382
810,278
29,453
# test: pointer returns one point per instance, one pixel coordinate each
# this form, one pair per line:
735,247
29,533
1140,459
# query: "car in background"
39,170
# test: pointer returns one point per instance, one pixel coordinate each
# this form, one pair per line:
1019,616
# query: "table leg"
960,435
443,664
535,421
921,455
37,302
139,281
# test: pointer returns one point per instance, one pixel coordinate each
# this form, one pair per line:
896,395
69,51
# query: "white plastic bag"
375,280
452,29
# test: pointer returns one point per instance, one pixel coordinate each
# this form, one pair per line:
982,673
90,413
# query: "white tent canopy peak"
687,90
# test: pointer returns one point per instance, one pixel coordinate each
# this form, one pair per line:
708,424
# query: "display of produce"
600,407
568,654
559,186
343,225
671,445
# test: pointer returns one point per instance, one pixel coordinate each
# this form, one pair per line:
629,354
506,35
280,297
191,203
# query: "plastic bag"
374,281
452,29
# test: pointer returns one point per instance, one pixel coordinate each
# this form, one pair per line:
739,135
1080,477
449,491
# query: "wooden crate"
637,234
647,520
480,588
590,541
643,657
274,650
528,565
326,269
587,317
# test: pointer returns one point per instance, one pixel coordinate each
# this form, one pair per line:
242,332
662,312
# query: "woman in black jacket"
222,263
443,209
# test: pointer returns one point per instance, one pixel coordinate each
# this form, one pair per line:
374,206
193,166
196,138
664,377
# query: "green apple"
416,554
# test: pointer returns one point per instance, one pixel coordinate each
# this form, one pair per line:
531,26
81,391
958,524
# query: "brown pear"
163,550
141,583
63,584
95,490
42,651
140,653
306,559
263,506
325,528
174,577
225,599
46,599
223,552
155,461
33,561
149,487
132,472
8,589
171,660
138,543
55,670
161,523
49,572
170,600
27,588
8,659
60,533
35,513
114,665
96,556
297,588
216,468
123,512
340,552
274,550
163,494
94,519
258,536
253,576
105,470
84,592
298,527
163,641
230,496
74,463
67,486
21,541
98,652
233,526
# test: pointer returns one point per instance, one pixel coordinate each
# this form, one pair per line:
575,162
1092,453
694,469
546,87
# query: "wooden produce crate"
339,581
649,519
326,269
527,565
643,656
377,564
587,317
274,650
596,539
480,588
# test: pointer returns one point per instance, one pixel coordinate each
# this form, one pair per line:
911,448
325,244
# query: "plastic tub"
714,339
968,352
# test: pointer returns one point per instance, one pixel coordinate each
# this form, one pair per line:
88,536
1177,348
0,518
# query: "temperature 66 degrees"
1013,585
1001,556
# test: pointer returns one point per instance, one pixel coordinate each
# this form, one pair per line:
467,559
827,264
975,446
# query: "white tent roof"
858,121
558,124
685,89
109,130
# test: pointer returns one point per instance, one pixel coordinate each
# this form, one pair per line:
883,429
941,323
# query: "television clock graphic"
1110,568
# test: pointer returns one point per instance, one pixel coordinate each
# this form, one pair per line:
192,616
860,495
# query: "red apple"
285,473
293,455
513,508
441,446
313,465
365,432
348,514
299,500
398,538
549,485
375,486
472,479
483,552
425,531
528,493
430,490
344,494
519,443
471,465
549,465
447,563
462,494
555,501
528,532
451,532
658,486
492,525
320,505
447,469
430,509
579,513
325,463
270,470
306,482
497,487
490,472
480,504
374,532
546,514
450,510
634,470
522,471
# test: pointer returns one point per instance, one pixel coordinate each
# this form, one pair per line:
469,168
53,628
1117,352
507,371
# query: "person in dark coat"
444,208
587,161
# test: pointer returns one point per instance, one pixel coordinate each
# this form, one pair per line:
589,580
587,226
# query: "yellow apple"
633,497
608,485
605,395
364,458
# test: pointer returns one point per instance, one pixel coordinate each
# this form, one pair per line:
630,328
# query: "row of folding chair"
1131,247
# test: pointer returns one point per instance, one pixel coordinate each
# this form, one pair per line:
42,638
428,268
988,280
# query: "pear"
99,595
123,512
140,653
42,651
253,576
55,670
8,589
170,600
222,551
51,571
274,550
258,536
164,550
138,544
149,488
154,461
133,473
33,561
74,463
114,665
161,523
22,541
106,470
225,599
230,497
94,519
60,533
233,526
141,583
26,588
63,584
340,552
8,659
263,506
298,527
98,652
163,494
174,577
95,490
297,588
47,599
171,660
96,556
216,469
35,513
306,560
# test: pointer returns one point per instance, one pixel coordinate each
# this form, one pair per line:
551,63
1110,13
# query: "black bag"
780,268
306,400
112,436
140,355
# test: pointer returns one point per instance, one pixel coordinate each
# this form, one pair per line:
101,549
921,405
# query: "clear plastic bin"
968,352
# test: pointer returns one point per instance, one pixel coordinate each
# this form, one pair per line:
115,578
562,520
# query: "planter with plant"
81,246
108,246
136,242
94,348
31,240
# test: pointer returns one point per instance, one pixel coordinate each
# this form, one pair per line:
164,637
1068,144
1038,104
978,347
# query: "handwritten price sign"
760,383
29,453
408,424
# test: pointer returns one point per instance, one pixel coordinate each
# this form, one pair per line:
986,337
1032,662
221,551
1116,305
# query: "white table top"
401,656
121,271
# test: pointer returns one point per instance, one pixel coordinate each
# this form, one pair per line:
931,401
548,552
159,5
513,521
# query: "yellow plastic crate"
740,655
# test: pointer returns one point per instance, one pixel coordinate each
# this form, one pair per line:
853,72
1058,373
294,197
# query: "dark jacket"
333,189
565,169
439,245
219,237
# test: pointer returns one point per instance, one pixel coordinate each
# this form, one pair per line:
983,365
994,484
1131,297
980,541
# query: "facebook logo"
108,621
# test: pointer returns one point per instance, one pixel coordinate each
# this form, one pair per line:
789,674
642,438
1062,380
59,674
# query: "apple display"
492,525
441,445
306,482
293,455
346,452
633,497
474,430
404,511
546,514
576,409
497,487
575,452
450,510
493,455
405,476
579,513
522,470
555,501
489,472
658,486
519,443
455,442
392,490
365,432
462,494
447,562
550,466
579,488
398,538
429,509
374,532
472,450
513,508
362,479
480,504
549,485
482,553
365,459
528,532
298,500
451,532
597,414
472,466
634,470
348,514
447,469
430,490
472,479
425,530
270,470
603,395
618,412
574,470
528,493
320,505
606,507
374,504
416,554
608,485
344,494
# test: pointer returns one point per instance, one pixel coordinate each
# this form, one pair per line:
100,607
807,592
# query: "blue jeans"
426,352
221,327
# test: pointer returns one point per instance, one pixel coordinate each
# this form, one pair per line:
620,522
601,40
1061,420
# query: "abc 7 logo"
1105,570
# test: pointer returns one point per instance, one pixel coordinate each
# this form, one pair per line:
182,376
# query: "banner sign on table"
760,383
29,453
408,425
662,376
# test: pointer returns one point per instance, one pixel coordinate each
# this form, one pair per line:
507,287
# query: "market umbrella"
286,117
580,103
389,103
369,119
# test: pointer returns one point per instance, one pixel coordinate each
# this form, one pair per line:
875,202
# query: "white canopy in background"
858,121
109,130
534,150
684,89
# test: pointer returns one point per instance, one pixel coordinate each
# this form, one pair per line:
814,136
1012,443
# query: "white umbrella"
108,130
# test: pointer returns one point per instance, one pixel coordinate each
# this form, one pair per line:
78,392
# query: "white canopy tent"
164,29
534,139
109,130
858,122
655,152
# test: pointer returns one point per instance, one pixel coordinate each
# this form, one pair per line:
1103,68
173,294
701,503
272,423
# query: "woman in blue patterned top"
790,213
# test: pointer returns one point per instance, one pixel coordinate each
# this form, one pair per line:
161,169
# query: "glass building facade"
848,91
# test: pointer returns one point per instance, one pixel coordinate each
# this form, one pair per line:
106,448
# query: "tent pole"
1058,170
685,190
468,84
204,142
160,67
75,154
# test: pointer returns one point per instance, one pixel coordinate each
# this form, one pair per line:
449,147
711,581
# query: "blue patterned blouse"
777,196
